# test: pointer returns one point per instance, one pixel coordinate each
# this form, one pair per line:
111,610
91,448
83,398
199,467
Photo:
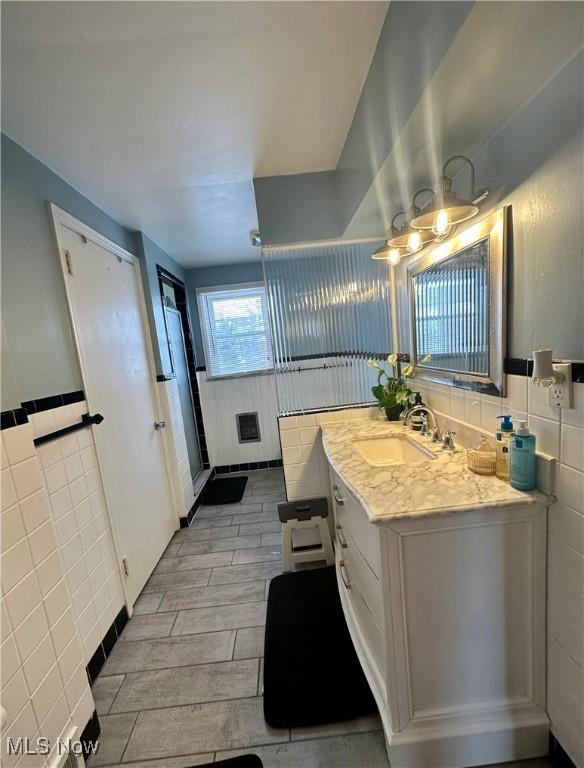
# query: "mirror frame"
495,226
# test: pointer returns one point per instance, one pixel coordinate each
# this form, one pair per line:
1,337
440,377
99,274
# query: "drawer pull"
345,576
341,537
340,501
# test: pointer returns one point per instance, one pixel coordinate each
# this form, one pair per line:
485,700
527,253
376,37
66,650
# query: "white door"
106,302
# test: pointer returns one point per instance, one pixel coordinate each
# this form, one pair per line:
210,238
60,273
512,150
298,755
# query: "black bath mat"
243,761
312,675
224,490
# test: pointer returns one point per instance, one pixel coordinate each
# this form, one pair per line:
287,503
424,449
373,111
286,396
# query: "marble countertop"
440,485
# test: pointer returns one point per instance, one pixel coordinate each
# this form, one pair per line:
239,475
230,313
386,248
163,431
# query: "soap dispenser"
503,436
522,453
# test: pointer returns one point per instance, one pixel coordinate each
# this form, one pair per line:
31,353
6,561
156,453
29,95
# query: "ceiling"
161,113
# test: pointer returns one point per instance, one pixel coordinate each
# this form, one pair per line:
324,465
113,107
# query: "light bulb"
441,223
414,242
394,256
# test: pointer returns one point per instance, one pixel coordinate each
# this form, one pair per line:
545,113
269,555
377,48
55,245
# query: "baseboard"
188,519
249,466
463,750
90,735
104,649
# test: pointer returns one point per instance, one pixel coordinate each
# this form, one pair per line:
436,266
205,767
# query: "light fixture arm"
447,180
419,192
394,228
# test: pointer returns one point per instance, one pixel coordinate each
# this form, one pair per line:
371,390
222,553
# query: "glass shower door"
179,360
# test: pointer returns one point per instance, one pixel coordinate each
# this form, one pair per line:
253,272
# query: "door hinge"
68,262
126,566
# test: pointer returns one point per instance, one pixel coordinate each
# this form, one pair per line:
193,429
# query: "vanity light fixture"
387,253
406,237
448,210
555,377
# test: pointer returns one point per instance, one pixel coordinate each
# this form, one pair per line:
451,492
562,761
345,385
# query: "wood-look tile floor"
183,686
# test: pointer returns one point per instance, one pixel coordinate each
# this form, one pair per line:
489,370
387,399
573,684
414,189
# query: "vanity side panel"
469,615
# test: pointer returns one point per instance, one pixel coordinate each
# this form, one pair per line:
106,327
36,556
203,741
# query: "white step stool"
300,516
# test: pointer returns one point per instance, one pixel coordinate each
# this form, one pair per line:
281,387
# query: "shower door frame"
165,276
168,309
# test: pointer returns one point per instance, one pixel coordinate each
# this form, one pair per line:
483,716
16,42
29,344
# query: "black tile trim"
166,377
109,640
90,735
13,418
249,466
402,358
96,662
20,415
186,521
519,366
121,620
515,366
560,757
53,401
106,646
332,409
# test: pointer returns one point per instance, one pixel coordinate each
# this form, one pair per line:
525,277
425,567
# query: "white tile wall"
43,684
559,433
305,465
176,448
79,519
221,399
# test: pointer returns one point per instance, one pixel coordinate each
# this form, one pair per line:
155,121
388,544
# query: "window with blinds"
236,331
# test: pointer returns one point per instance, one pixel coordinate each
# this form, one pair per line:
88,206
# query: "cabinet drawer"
351,516
367,630
363,579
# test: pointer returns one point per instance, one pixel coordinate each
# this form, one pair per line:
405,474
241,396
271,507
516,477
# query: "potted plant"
394,393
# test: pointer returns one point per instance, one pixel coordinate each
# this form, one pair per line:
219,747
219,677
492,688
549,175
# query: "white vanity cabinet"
447,615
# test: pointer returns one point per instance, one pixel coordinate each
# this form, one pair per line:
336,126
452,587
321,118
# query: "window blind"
330,312
452,319
236,331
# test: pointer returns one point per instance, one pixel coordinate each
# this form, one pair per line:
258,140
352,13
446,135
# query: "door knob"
159,424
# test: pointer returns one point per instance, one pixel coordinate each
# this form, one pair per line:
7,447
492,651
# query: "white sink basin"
396,449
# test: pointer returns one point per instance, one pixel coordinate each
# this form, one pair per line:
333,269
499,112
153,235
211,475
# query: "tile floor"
183,686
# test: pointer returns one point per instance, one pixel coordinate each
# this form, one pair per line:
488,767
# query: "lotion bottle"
523,458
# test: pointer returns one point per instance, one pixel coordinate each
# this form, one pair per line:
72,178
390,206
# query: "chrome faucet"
415,409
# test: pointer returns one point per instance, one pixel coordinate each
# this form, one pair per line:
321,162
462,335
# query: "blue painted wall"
414,39
206,277
535,164
318,206
298,208
38,347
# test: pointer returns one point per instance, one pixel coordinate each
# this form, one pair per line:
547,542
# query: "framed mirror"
458,308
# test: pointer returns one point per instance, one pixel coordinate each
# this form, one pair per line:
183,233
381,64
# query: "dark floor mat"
243,761
224,490
312,675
